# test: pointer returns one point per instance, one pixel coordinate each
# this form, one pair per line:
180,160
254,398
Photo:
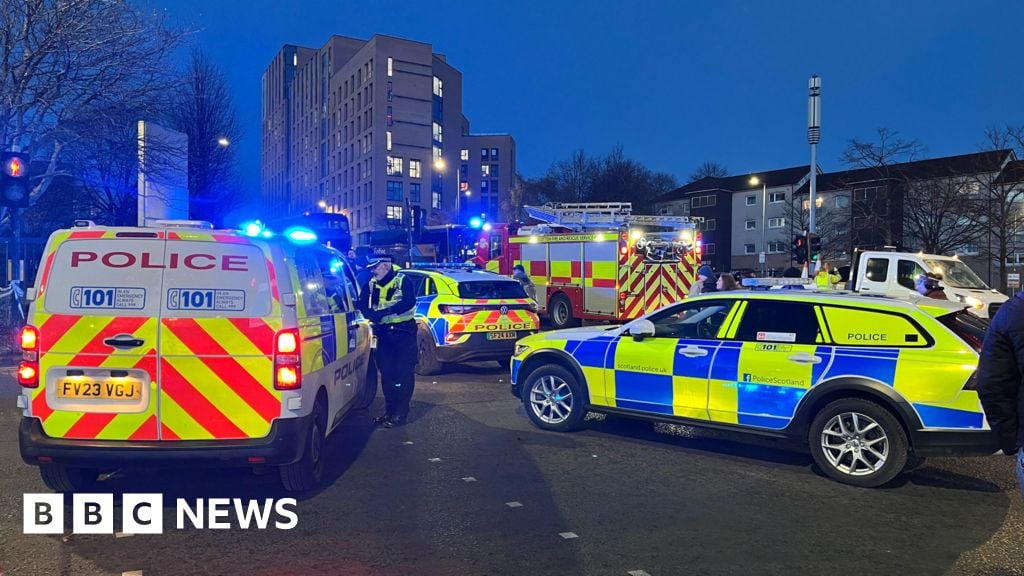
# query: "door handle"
124,341
805,358
693,352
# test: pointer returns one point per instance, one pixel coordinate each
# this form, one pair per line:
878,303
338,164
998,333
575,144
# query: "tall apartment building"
369,127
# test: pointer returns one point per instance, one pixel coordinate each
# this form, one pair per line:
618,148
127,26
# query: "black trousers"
396,358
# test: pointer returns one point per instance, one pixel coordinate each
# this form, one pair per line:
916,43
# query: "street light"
223,142
754,181
322,204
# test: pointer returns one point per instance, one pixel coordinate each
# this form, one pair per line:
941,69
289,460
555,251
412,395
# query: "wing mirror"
641,329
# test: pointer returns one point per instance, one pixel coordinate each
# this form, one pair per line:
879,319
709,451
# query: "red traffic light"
14,167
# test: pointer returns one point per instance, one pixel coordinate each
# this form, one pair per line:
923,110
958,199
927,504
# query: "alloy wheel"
855,444
551,399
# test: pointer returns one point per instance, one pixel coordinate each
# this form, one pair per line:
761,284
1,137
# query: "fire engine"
596,261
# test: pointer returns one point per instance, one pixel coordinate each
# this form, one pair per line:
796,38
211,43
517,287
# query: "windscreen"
956,274
491,289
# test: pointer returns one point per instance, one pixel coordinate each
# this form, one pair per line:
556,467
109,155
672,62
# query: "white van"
181,344
894,273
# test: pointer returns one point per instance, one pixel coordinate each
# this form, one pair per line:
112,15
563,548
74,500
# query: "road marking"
514,504
469,479
637,573
568,535
122,535
132,573
433,459
407,443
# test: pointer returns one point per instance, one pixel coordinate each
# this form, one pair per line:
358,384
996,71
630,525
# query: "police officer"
388,301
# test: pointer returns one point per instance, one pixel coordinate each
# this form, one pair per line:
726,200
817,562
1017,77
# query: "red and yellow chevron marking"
208,392
477,321
77,341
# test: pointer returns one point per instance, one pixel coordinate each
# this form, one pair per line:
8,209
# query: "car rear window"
491,289
970,328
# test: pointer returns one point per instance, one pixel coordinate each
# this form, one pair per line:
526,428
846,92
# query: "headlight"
521,349
974,302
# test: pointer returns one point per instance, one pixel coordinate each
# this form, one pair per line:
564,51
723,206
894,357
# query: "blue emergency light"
253,229
475,222
300,235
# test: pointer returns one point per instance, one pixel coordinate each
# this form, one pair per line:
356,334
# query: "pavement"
469,486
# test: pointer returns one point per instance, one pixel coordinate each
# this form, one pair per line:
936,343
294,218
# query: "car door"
776,353
877,276
668,373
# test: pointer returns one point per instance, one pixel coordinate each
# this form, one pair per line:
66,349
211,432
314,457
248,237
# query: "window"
709,225
776,197
388,133
391,66
709,249
312,291
494,153
435,200
776,247
494,169
464,154
750,224
484,154
438,133
751,200
871,328
464,172
394,165
485,171
484,187
390,96
438,87
703,201
417,281
494,187
907,272
842,201
748,249
818,202
970,250
414,169
394,190
691,320
877,269
778,321
776,222
437,153
390,118
414,192
394,214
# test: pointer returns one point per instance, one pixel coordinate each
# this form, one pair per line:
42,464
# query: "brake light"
28,370
622,296
287,360
29,339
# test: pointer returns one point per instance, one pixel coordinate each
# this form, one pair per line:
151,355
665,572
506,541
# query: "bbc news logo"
144,514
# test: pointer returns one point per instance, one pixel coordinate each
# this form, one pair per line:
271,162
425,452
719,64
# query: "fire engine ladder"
582,215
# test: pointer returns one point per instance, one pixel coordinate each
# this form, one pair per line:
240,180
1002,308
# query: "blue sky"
675,83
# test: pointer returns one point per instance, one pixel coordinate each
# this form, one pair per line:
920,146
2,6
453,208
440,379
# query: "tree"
65,62
889,149
576,175
938,215
203,110
708,168
1000,210
831,223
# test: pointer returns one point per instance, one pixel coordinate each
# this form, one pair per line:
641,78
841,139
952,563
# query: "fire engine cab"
596,261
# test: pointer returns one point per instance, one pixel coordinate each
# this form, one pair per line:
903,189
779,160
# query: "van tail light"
28,370
623,295
287,360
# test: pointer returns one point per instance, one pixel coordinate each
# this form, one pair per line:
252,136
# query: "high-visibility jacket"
384,296
823,281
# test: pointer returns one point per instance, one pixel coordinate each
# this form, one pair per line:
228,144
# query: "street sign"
1013,280
760,258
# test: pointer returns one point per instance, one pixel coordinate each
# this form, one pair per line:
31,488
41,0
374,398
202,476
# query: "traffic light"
15,186
814,243
800,249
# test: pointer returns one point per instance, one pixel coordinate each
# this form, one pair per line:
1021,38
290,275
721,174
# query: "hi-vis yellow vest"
386,295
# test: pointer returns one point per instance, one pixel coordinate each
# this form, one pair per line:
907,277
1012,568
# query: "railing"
12,317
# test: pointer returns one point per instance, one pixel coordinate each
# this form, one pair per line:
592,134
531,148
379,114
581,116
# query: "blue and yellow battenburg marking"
757,384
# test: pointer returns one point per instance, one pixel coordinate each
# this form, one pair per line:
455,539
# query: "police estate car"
182,344
466,315
868,383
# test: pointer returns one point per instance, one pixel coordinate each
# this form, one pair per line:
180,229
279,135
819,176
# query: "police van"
181,344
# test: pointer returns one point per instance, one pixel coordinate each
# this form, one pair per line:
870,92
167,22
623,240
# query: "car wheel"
858,442
308,472
369,391
560,312
427,363
63,479
553,399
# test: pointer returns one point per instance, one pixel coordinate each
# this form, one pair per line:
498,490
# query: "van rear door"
220,309
97,313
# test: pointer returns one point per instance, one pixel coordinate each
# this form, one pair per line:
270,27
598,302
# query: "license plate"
99,390
501,335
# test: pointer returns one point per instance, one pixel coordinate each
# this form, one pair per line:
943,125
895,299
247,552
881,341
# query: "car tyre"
308,472
369,391
858,442
560,312
554,399
65,480
427,363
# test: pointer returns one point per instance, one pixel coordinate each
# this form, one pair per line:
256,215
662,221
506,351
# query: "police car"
466,315
869,384
181,344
